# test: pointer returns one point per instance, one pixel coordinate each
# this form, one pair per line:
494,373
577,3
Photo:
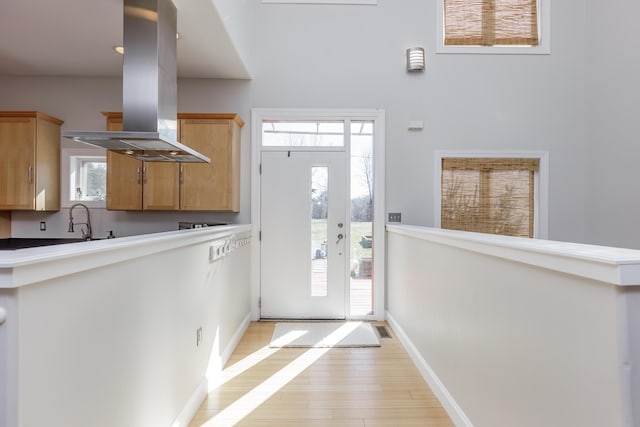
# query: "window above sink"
83,177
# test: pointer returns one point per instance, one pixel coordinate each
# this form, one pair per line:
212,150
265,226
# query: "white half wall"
115,345
508,339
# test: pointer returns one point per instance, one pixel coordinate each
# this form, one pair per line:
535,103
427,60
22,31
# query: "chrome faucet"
85,235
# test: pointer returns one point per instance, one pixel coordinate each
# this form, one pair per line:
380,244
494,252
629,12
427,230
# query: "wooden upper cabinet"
30,161
136,185
211,186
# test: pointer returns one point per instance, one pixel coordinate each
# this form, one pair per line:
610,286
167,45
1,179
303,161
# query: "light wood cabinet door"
161,190
214,186
5,224
124,174
124,182
30,161
47,166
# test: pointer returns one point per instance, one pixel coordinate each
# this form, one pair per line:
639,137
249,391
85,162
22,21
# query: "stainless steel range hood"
149,89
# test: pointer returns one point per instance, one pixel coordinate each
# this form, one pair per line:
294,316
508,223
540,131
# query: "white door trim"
258,115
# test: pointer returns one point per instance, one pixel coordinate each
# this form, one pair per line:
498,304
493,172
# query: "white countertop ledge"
25,266
617,266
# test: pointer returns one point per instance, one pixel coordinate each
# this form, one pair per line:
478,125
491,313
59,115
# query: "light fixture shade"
415,59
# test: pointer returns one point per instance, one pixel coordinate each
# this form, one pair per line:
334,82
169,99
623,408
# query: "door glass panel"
319,230
277,133
361,243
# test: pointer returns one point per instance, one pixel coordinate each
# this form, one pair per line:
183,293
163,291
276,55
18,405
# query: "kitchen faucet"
87,235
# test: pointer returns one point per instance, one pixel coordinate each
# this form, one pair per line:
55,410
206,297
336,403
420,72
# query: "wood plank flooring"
338,387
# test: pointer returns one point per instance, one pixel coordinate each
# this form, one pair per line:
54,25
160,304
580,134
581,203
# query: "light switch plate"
395,217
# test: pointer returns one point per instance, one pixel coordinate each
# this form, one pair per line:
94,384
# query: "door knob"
340,237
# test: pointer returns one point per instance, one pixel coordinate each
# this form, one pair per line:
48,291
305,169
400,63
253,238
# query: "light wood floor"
338,387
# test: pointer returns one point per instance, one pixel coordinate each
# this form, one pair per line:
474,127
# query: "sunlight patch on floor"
245,405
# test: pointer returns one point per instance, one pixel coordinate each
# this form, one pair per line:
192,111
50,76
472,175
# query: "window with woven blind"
489,195
494,26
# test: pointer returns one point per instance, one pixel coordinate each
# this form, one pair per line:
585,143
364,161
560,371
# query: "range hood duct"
149,89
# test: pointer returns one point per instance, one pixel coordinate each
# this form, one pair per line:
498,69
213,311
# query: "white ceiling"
76,38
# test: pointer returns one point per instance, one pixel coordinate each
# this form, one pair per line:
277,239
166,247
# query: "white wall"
613,108
116,345
354,56
517,343
236,17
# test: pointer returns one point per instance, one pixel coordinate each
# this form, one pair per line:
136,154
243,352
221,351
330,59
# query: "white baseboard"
235,339
448,403
201,392
189,410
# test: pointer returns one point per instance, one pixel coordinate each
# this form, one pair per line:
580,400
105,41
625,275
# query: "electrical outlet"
395,217
199,336
43,226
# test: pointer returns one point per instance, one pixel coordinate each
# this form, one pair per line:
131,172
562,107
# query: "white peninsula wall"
104,333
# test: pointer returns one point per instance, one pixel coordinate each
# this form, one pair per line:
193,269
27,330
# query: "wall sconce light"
415,59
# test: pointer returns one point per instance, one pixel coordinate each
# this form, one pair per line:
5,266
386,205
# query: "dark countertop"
24,243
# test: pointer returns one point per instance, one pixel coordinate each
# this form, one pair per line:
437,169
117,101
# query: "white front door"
303,234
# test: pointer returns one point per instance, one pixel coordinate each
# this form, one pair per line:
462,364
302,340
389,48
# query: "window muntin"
489,195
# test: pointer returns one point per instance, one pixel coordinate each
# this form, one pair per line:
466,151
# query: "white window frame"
370,2
65,176
543,48
541,184
258,115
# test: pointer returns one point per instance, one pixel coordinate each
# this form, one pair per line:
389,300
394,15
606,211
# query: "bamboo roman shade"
490,22
489,195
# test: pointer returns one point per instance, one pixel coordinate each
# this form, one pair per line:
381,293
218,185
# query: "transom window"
302,133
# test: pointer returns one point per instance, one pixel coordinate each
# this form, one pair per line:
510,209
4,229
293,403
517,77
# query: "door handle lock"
340,237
